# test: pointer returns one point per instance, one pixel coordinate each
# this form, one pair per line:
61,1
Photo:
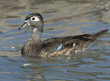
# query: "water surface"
91,65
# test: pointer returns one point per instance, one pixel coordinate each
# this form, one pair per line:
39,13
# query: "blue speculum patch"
59,47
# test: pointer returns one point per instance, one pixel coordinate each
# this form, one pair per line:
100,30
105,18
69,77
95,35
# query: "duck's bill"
26,24
23,26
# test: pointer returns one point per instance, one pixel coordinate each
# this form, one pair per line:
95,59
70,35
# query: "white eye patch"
34,18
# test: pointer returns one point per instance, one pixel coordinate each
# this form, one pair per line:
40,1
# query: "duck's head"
33,20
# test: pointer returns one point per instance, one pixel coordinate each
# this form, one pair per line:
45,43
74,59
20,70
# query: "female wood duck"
52,47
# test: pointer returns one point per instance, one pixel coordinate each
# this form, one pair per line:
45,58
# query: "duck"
56,46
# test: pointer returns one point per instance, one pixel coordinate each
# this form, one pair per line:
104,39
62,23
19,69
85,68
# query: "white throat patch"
35,29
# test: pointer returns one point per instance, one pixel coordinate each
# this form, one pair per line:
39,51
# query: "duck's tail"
99,33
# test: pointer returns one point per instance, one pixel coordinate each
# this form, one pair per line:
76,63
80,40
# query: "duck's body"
54,46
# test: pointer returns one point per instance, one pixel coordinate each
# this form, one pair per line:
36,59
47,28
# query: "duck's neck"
33,45
36,36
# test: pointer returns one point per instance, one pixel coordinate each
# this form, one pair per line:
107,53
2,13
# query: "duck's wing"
80,41
65,42
68,45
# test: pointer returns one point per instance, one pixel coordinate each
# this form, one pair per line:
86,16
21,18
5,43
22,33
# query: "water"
91,65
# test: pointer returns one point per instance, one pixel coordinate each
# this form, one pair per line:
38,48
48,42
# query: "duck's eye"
35,19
